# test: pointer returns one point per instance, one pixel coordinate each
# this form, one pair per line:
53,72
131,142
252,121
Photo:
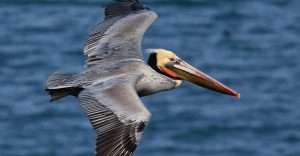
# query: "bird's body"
150,82
116,76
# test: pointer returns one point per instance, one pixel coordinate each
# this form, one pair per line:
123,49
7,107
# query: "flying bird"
116,76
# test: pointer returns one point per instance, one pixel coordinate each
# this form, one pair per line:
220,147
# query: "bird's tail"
58,86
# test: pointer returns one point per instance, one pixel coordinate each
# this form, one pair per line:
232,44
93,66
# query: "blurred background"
251,46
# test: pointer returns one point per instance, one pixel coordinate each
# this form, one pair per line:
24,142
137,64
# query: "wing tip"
136,5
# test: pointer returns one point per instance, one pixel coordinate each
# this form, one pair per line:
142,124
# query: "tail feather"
59,86
58,80
57,94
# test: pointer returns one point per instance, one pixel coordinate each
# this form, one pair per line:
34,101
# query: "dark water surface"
252,46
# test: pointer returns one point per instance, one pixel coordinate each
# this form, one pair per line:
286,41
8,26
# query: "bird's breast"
153,82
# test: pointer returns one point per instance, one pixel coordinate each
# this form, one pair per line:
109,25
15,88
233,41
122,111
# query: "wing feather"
119,35
117,114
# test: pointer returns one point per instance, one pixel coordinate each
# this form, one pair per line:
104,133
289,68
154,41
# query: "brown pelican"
116,76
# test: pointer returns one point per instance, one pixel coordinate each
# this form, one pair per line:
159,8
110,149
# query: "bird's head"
167,63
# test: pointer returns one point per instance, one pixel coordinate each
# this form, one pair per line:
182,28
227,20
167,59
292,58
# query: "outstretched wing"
117,115
119,36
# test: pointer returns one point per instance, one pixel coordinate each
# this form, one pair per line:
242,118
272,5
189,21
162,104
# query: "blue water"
252,46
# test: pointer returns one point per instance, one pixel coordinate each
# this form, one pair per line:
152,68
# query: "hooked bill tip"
238,96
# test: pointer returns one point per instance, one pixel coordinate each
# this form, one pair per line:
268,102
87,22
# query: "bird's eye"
172,59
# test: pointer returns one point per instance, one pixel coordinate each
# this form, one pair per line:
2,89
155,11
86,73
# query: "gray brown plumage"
116,75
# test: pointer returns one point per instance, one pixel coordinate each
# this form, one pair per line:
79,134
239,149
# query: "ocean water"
251,46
